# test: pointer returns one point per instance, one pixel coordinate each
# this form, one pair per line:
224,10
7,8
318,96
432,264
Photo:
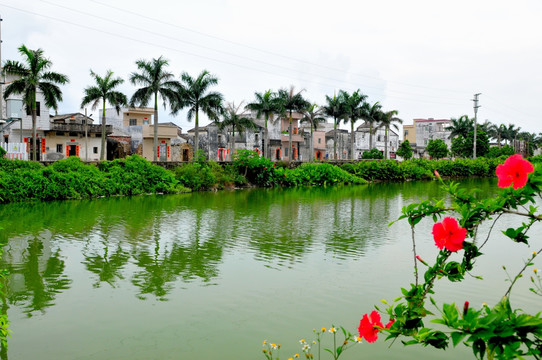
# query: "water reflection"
159,243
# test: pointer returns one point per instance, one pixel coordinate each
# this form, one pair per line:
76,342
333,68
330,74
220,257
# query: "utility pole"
476,106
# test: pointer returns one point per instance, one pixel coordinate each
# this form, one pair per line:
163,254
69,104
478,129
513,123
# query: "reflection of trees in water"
108,266
37,278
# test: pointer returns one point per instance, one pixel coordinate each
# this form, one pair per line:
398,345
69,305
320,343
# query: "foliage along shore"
72,179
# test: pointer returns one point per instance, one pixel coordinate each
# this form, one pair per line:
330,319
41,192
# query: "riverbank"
72,179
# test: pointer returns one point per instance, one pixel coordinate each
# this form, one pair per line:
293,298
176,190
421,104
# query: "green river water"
211,275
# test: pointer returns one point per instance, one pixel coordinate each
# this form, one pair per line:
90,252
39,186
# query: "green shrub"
372,154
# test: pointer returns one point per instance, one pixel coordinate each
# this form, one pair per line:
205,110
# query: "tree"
313,116
234,118
155,80
334,109
460,126
458,147
291,101
104,91
355,108
265,104
194,94
405,150
437,148
387,119
31,77
370,115
482,143
372,154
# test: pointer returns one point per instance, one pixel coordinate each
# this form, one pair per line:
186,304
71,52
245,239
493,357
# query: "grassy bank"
72,179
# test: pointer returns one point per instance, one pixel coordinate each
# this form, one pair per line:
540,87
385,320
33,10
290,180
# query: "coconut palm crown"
104,91
291,100
355,108
154,80
265,104
31,76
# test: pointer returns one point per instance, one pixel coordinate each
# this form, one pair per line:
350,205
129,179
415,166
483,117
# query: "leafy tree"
334,109
460,126
482,143
458,147
387,119
405,150
371,115
437,148
104,91
372,154
31,77
495,151
155,80
354,108
234,118
265,104
313,116
291,101
194,94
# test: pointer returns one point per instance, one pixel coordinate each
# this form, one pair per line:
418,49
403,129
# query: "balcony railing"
80,128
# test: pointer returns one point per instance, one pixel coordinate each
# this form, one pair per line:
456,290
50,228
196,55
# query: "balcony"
164,131
80,128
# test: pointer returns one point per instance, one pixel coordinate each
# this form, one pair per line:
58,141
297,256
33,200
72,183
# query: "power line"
209,58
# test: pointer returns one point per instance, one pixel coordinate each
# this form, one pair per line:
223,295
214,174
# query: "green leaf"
457,337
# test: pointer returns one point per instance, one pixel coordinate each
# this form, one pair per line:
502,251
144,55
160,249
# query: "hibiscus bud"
437,174
465,308
421,260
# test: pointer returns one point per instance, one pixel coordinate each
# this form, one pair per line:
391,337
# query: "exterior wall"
343,145
63,141
427,129
362,141
409,133
164,154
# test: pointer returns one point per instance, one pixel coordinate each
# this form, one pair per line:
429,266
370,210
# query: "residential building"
429,129
362,138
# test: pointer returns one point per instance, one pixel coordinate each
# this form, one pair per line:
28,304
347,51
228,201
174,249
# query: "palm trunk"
290,152
352,140
334,138
102,153
34,142
311,156
499,140
386,143
155,151
233,141
370,136
265,138
196,135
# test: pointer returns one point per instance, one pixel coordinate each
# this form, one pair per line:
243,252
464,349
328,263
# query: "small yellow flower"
332,330
302,341
357,339
296,355
274,346
324,329
534,253
290,358
314,341
535,270
484,304
264,342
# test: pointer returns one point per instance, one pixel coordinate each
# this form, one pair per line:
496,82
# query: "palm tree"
334,109
291,101
234,118
388,119
354,108
265,104
155,80
370,114
194,94
313,116
510,133
460,126
104,91
31,77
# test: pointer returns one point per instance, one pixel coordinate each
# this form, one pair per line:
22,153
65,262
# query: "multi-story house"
430,129
362,139
136,124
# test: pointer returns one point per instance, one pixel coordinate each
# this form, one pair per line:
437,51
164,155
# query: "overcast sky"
424,58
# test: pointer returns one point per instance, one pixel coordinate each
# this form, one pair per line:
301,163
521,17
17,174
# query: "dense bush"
309,174
496,151
72,179
372,154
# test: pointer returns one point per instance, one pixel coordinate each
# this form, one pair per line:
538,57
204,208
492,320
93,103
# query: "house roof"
59,118
431,120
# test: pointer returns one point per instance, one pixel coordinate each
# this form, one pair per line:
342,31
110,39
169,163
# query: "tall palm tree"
354,108
265,104
31,77
234,118
155,80
460,126
194,94
291,101
335,109
370,114
104,91
388,119
313,116
510,133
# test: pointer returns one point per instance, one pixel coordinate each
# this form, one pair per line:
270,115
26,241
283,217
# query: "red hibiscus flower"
370,325
448,234
514,172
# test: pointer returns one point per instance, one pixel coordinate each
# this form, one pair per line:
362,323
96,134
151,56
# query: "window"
286,152
256,137
95,149
145,122
219,138
59,148
406,132
319,140
133,122
29,110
